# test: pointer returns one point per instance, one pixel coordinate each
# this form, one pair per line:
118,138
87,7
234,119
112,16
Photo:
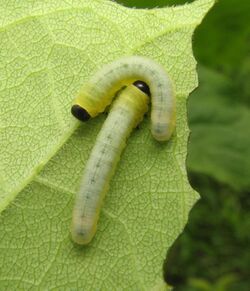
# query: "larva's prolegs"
125,114
98,92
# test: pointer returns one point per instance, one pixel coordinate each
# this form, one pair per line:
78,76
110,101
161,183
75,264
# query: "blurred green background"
213,252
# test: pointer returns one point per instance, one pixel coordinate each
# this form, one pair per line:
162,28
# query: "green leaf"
47,51
219,145
222,41
221,284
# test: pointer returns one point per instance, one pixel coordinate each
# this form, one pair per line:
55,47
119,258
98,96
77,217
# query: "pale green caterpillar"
99,91
125,114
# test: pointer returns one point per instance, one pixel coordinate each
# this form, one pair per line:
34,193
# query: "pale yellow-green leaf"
47,50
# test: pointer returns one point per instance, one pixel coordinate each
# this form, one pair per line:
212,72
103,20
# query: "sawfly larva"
98,92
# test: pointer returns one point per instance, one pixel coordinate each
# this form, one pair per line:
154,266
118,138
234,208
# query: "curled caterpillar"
125,114
98,92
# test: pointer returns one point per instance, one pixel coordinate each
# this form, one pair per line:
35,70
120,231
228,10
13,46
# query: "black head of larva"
142,86
80,113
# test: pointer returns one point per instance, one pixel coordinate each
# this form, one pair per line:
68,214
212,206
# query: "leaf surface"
47,50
